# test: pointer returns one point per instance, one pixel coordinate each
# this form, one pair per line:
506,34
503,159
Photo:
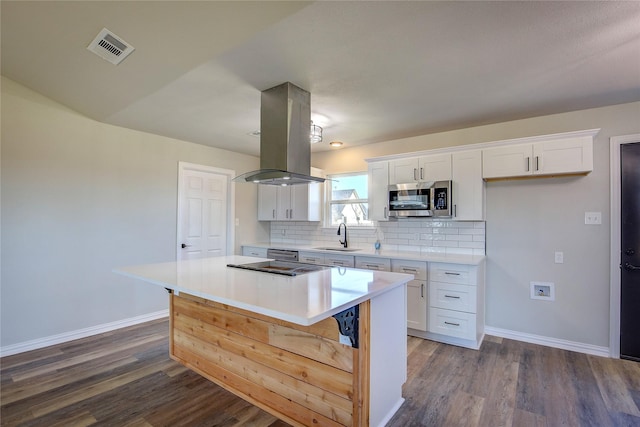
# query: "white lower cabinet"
339,260
416,305
416,293
452,323
311,257
373,263
456,304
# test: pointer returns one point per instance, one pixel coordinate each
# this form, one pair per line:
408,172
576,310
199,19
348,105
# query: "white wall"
527,221
79,198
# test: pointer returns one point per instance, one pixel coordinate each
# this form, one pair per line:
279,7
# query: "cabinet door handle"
451,296
415,174
455,211
421,173
537,163
451,274
273,214
385,212
451,323
528,163
291,213
422,290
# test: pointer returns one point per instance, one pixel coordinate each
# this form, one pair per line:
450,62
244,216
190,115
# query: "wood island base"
303,375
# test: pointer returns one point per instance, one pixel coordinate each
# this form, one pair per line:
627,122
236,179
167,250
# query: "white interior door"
204,212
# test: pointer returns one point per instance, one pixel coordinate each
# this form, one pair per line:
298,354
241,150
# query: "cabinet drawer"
452,297
253,251
452,323
311,258
339,260
452,273
417,268
371,263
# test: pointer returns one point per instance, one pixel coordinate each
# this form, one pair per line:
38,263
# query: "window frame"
330,202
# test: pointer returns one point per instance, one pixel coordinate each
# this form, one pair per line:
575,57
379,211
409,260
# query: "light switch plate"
593,218
559,257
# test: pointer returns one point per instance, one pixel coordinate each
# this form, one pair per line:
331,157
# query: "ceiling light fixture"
335,144
316,133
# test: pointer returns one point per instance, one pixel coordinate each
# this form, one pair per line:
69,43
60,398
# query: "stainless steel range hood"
285,151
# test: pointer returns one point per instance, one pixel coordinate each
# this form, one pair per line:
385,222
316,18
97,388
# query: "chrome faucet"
343,243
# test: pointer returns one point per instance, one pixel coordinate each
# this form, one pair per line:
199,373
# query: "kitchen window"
348,200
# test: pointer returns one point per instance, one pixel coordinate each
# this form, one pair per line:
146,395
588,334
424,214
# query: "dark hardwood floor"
125,378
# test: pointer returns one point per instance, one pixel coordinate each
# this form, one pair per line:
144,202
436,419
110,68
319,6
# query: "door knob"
184,245
630,267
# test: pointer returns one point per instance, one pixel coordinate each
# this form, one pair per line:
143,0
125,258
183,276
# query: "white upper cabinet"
301,202
436,167
557,156
468,186
267,203
378,191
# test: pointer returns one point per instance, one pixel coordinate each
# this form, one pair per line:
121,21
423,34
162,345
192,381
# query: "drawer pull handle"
451,296
452,324
413,270
451,274
373,266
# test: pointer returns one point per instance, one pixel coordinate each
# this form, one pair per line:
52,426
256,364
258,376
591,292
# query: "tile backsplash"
410,234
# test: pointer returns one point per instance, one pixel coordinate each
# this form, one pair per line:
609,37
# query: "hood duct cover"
285,148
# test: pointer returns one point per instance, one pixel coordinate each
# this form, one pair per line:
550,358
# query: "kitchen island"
324,348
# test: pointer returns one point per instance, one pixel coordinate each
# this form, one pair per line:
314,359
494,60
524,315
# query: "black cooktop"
280,267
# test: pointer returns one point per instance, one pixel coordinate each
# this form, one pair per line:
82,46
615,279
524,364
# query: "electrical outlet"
559,257
593,218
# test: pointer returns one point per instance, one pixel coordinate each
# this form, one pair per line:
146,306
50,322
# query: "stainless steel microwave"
420,199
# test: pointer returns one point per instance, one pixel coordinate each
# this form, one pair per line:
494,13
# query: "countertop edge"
390,254
303,321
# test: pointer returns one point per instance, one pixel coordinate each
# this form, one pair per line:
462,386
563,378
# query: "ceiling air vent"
110,47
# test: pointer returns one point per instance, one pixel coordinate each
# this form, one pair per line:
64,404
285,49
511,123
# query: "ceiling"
376,70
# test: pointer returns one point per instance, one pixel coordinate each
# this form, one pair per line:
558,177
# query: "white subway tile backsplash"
464,224
459,238
412,234
474,245
471,230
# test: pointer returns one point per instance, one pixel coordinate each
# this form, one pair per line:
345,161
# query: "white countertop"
382,253
304,299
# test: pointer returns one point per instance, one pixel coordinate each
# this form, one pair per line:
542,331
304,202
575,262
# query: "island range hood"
285,150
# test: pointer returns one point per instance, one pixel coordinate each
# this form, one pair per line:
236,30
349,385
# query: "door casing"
185,166
614,298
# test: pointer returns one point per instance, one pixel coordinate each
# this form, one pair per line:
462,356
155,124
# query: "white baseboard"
579,347
391,413
80,333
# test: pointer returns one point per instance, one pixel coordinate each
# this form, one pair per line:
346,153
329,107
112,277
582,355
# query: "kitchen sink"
338,249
